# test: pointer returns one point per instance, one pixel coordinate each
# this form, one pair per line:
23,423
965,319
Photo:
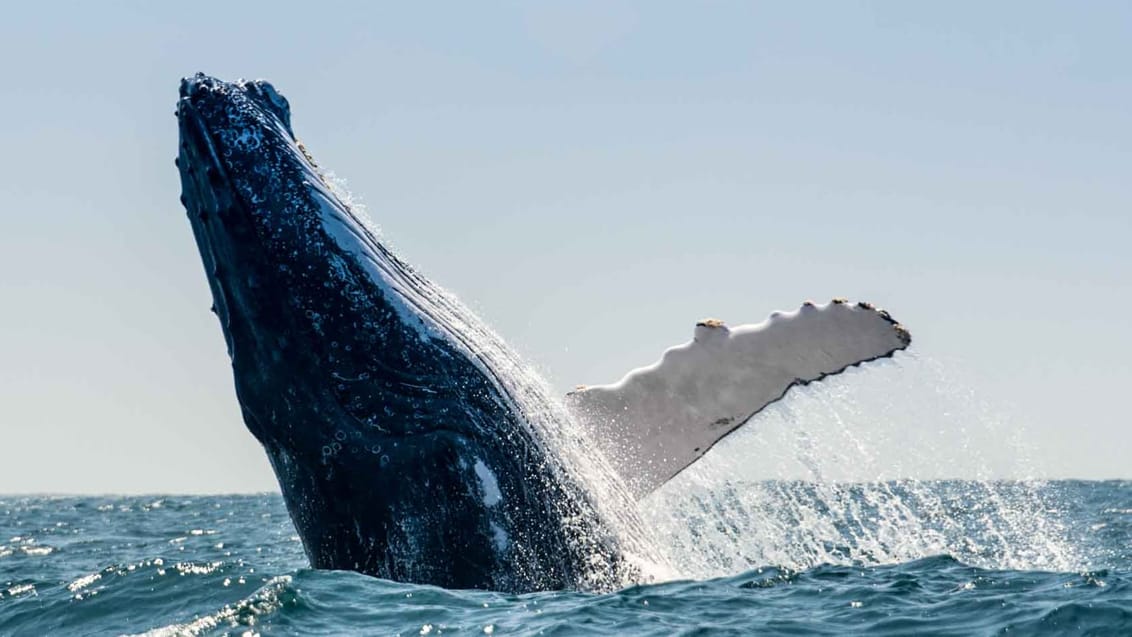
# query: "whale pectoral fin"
659,419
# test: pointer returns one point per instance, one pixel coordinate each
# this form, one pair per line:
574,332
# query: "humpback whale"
408,441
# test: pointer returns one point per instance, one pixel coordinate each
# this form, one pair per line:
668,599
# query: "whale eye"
265,95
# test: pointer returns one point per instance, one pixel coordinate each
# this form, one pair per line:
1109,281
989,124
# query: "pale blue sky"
592,179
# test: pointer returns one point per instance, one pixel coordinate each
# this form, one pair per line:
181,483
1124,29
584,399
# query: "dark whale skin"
400,447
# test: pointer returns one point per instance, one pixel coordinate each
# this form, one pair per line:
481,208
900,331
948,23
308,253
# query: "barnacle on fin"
902,333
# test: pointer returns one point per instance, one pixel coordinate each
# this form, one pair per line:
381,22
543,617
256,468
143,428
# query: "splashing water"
354,202
131,565
854,471
602,496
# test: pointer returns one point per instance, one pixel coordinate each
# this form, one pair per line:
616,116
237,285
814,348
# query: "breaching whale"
409,442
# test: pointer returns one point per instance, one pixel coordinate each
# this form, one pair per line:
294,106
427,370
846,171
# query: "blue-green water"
219,565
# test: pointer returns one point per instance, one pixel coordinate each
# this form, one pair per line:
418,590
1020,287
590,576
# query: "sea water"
805,521
232,565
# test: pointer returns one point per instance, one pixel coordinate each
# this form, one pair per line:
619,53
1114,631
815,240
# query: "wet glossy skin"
399,448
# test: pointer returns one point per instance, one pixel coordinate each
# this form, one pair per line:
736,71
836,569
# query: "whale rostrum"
409,442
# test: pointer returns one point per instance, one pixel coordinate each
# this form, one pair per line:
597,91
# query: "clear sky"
592,179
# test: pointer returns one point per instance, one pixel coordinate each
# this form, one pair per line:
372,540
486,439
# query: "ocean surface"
789,558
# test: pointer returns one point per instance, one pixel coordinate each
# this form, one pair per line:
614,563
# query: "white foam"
265,600
83,582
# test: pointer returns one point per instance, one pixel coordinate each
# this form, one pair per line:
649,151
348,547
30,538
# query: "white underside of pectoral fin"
659,419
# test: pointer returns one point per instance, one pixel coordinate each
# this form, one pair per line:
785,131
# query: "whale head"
334,341
399,449
307,298
260,212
